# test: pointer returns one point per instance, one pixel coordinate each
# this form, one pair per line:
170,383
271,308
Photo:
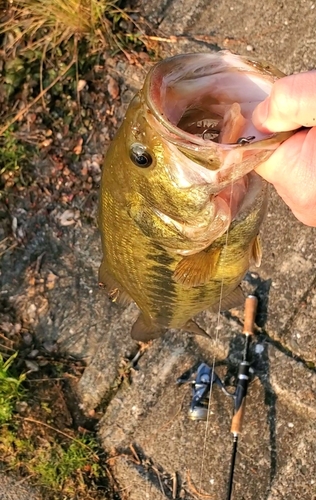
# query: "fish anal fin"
192,327
234,299
114,290
197,269
144,331
256,251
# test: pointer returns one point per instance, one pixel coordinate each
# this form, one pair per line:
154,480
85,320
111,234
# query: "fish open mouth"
202,105
207,98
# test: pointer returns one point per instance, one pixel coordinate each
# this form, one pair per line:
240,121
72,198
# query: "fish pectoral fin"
192,327
113,289
197,269
256,252
234,299
143,331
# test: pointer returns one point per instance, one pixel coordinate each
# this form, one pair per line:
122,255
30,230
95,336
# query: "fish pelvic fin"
197,269
192,327
144,331
234,299
256,251
113,289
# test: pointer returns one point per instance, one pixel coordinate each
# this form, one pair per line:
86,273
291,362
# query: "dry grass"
47,24
45,42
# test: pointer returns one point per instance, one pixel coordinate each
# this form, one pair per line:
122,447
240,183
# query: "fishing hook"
245,140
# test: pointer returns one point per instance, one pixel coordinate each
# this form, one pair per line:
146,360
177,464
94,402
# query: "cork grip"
251,304
238,418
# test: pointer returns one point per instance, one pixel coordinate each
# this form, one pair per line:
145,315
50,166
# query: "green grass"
14,157
57,466
61,468
64,463
10,389
12,153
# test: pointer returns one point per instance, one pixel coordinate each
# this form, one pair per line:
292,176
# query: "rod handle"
238,418
251,305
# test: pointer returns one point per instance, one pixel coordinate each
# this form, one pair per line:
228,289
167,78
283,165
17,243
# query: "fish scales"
179,215
168,303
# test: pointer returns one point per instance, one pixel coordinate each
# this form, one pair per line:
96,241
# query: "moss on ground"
63,462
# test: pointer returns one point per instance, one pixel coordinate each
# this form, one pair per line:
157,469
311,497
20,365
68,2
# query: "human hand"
292,166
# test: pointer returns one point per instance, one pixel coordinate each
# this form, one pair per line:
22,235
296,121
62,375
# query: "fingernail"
261,113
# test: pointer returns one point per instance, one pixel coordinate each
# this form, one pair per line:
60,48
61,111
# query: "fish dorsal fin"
114,290
256,252
143,332
234,299
197,269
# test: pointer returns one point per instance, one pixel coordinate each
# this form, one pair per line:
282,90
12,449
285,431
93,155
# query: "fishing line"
207,426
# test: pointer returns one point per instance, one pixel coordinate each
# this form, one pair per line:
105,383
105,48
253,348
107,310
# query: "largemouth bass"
180,206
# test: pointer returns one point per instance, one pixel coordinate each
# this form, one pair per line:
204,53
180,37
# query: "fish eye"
140,156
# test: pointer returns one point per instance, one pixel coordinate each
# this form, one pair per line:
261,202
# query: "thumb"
291,104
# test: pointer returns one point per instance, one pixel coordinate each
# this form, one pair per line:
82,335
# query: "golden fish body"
179,213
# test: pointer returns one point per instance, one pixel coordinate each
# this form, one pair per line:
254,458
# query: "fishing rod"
240,394
206,377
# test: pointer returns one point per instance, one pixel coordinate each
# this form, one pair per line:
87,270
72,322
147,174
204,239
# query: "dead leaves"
113,88
69,217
